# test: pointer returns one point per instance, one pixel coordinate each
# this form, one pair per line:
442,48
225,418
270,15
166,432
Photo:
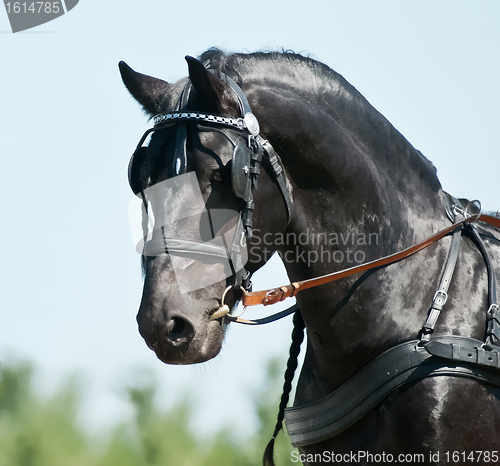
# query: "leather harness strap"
441,295
443,355
493,314
279,175
274,295
407,362
265,320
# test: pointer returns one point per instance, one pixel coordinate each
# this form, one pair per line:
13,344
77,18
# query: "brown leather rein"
275,295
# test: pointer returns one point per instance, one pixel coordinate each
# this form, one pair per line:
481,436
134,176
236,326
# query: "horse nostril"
179,330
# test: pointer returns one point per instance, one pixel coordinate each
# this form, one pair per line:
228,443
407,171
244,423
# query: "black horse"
352,190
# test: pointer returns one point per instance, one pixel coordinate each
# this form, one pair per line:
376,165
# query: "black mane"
319,85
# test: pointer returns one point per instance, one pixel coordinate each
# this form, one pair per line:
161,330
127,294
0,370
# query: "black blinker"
240,172
134,165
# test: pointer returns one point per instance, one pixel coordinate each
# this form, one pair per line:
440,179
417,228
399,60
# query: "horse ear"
148,91
206,83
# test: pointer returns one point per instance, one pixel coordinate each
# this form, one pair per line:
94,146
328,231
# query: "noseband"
245,169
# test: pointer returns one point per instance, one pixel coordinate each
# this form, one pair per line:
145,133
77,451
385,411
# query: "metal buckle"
443,295
473,217
457,210
273,296
492,311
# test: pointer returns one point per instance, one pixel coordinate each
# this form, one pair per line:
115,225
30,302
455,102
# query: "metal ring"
224,295
223,310
474,217
235,304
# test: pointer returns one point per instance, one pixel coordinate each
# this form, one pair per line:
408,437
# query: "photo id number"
33,7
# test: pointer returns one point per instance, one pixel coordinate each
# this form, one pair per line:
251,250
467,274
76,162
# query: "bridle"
245,170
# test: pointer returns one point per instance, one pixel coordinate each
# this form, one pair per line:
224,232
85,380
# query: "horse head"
196,180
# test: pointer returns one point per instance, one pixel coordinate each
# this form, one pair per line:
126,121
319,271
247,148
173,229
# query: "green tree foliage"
36,431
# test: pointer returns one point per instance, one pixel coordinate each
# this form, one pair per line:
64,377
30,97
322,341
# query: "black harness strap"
396,367
447,355
493,314
267,319
180,159
441,295
464,349
279,176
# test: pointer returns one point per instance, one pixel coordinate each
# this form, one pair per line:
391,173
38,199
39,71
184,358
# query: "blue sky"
70,280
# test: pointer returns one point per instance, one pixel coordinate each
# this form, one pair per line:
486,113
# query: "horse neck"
352,172
361,191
